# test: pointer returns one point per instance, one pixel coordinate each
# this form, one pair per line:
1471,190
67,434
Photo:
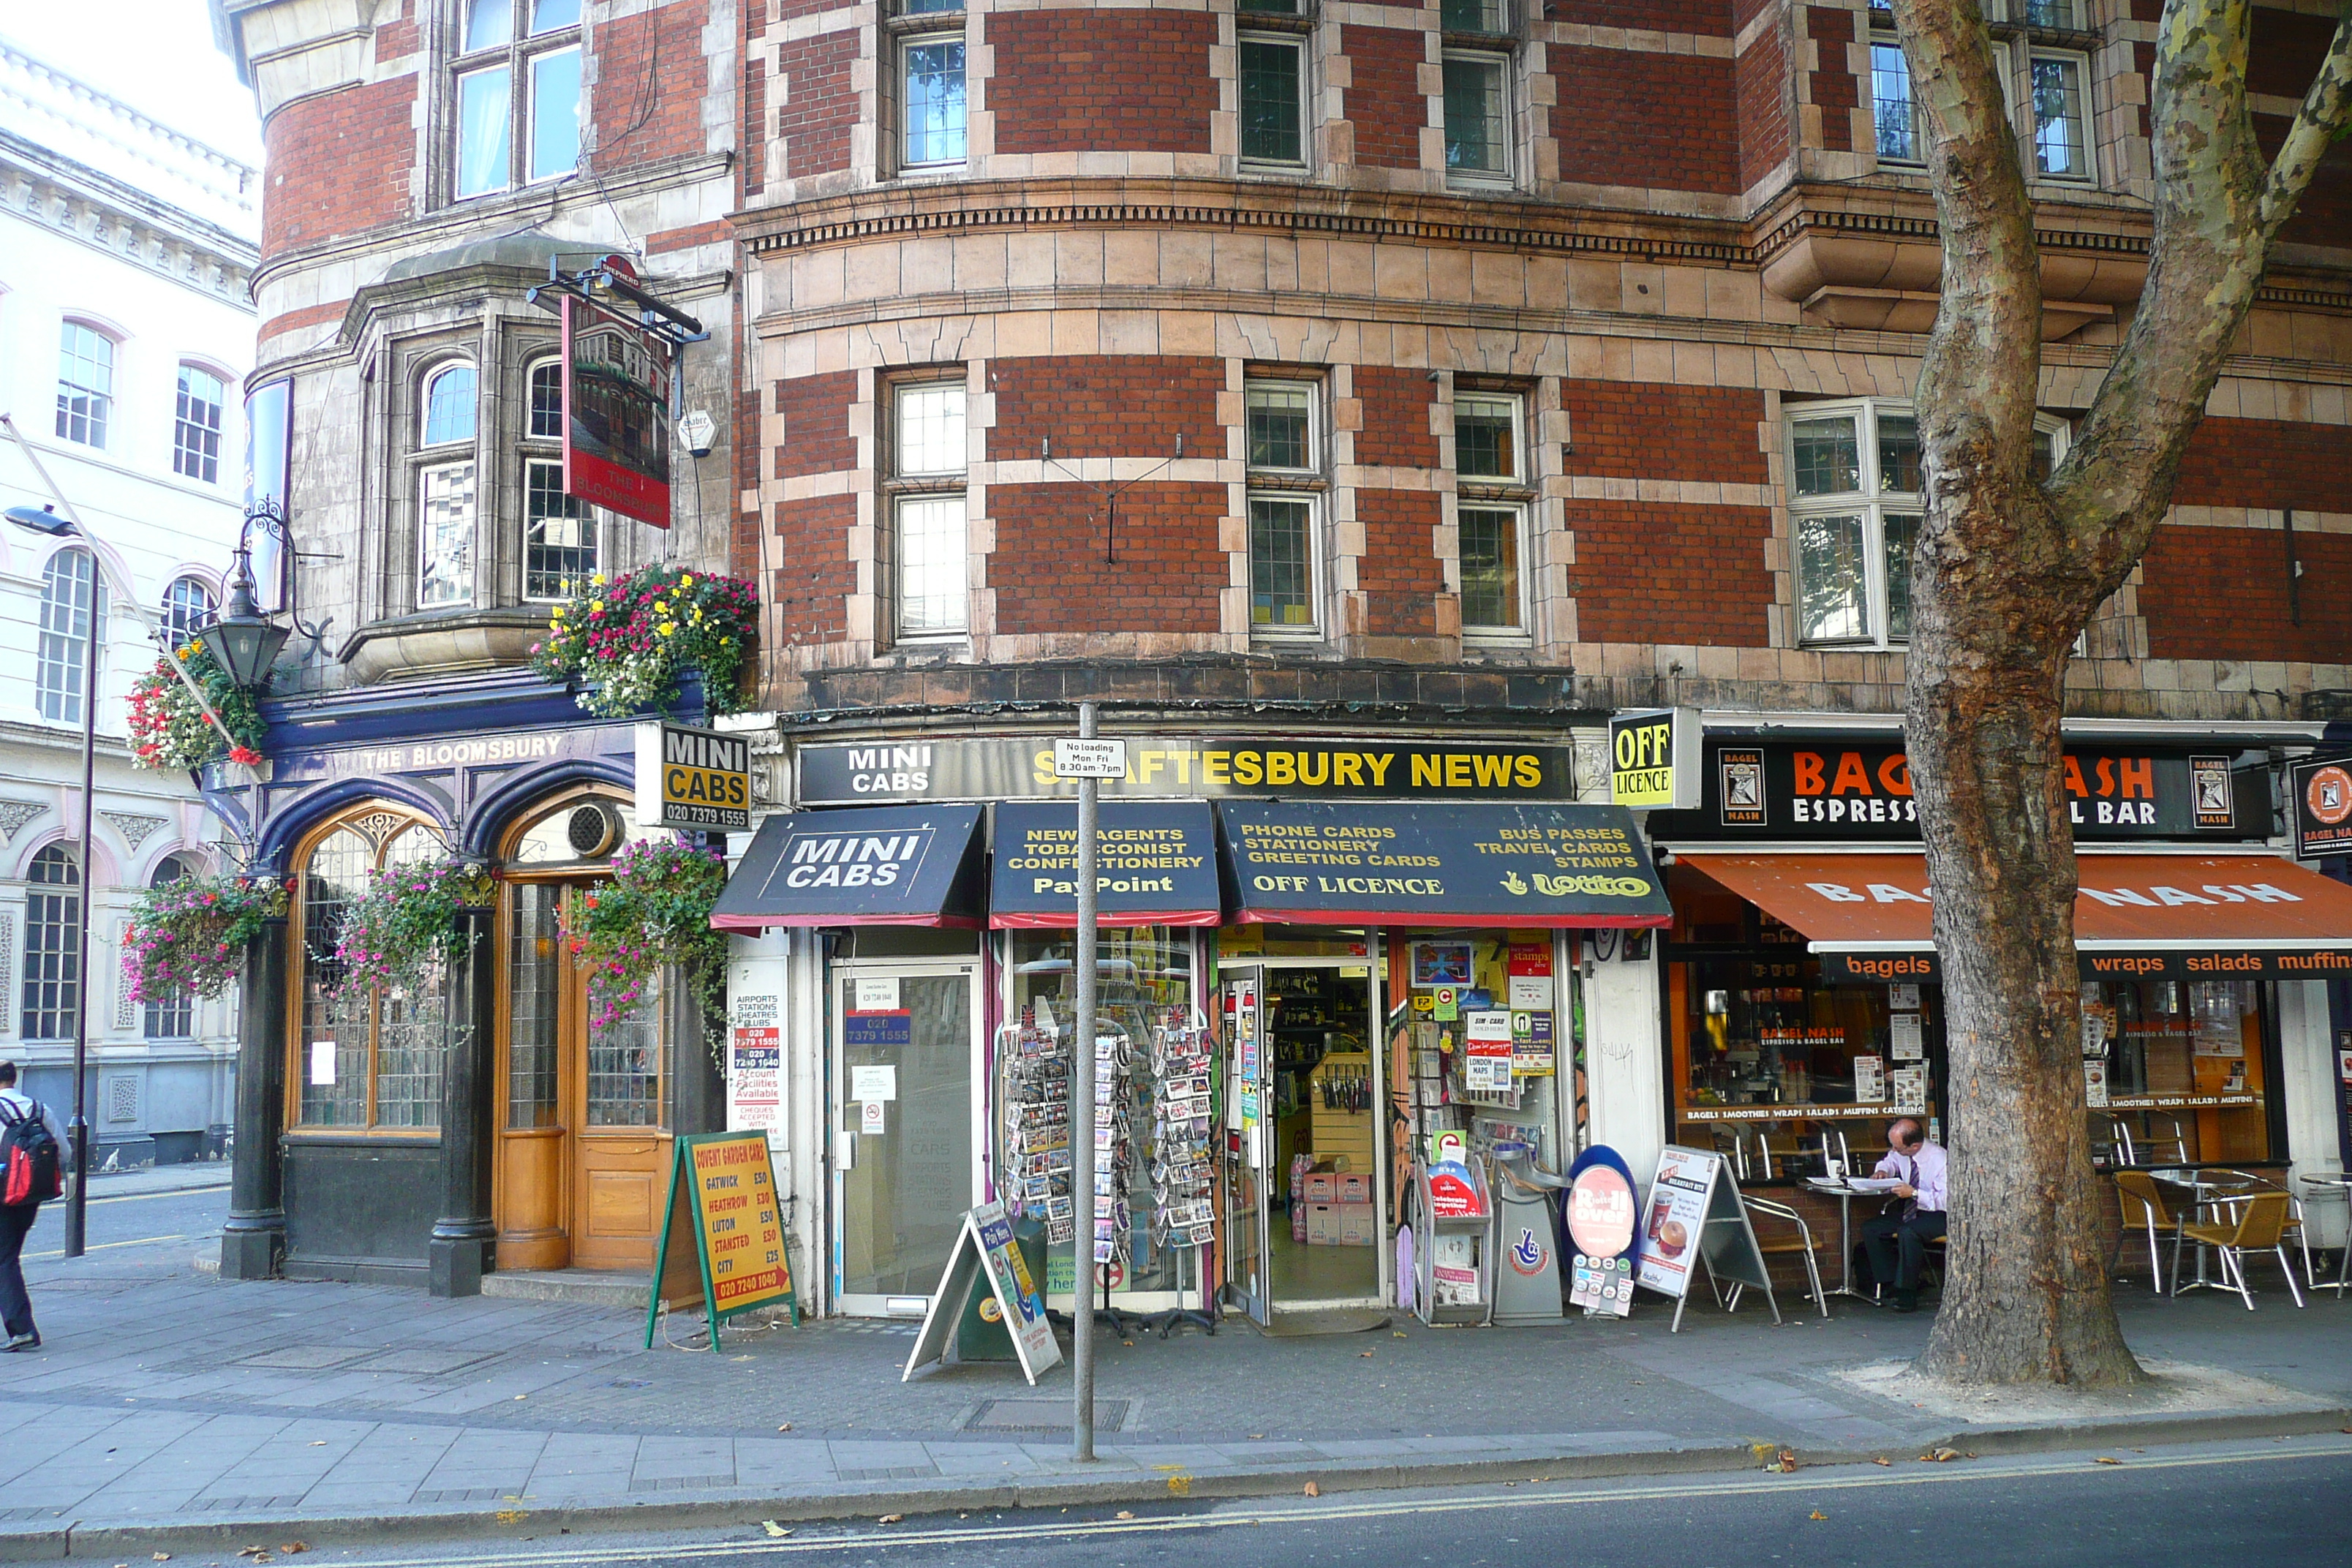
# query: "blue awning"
1458,864
1156,865
885,865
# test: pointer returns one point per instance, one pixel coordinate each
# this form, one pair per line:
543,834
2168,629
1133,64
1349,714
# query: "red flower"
245,754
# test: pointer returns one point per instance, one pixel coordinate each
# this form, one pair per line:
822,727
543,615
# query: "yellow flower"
598,580
188,652
595,606
686,581
668,627
661,606
697,616
556,614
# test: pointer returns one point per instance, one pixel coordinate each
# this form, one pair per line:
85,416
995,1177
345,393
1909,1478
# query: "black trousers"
16,1306
1896,1246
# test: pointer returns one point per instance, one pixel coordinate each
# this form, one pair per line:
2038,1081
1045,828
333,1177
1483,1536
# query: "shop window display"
2175,1071
1152,1073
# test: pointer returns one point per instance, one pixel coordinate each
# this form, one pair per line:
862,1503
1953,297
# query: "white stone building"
126,330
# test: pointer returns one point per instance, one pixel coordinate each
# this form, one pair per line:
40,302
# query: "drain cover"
306,1358
1041,1415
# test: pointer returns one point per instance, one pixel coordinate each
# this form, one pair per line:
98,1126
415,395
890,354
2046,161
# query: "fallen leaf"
2103,1460
1364,1355
319,1443
163,1557
785,1427
1257,1436
1786,1463
1882,1461
775,1531
1938,1455
1314,1490
291,1547
1817,1513
1126,1514
1396,1333
519,1397
1128,1343
890,1518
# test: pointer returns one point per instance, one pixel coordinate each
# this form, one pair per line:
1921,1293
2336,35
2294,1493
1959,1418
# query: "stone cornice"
123,223
1899,216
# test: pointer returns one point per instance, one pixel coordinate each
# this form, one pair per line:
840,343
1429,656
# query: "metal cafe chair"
1772,1241
2259,1225
2172,1146
2144,1209
2120,1139
2295,1225
1732,1145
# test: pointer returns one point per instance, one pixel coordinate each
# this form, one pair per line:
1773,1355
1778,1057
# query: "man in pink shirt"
1896,1241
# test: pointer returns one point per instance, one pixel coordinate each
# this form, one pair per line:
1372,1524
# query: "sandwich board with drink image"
1695,1218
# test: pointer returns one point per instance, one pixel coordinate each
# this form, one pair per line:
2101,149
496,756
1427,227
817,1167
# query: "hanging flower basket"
655,912
404,927
627,641
168,729
189,937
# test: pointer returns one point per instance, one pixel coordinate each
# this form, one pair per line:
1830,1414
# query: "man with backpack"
32,1157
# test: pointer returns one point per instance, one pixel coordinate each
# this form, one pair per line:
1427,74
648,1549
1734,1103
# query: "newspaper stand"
1453,1245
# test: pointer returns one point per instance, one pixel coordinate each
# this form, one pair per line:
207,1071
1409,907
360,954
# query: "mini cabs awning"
1156,865
1393,863
2155,916
885,865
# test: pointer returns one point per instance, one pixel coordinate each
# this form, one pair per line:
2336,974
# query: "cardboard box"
1355,1188
1356,1225
1323,1224
1322,1187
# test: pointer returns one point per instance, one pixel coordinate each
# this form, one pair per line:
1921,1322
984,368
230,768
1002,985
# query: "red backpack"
34,1167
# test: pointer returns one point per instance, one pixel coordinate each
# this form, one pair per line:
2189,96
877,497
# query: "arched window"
373,1058
73,601
197,426
171,1017
52,945
449,405
187,606
84,383
547,400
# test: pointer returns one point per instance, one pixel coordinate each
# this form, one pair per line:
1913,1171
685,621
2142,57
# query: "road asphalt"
203,1414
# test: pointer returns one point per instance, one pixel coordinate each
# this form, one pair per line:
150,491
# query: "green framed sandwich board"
722,1240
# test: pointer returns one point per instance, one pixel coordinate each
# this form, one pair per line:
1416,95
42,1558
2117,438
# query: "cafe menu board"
1675,1218
722,1242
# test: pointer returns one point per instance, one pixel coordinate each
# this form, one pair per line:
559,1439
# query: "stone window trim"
1278,492
89,365
521,55
1516,491
897,488
1296,34
905,29
200,423
2078,66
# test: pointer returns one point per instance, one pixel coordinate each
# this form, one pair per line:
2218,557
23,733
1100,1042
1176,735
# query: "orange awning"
2186,916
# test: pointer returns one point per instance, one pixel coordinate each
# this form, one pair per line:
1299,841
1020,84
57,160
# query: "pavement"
201,1412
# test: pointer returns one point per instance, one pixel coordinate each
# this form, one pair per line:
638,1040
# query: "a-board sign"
692,778
722,1240
986,1257
1694,1217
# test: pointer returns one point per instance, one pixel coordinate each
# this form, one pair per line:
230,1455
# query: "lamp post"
242,640
78,1131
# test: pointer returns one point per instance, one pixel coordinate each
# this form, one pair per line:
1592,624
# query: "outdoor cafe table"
1845,1191
2208,1189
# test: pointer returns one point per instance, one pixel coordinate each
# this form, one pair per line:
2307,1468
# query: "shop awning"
1156,864
2182,916
885,865
1460,864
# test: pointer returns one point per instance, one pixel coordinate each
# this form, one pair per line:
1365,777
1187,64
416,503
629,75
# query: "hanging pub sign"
2323,807
1653,759
1860,792
1189,767
694,779
616,405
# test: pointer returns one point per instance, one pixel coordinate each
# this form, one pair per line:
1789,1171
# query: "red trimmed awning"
2184,916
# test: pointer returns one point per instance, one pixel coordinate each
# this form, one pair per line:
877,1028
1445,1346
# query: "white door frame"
863,1304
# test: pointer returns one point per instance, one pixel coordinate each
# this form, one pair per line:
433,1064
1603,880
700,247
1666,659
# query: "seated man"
1896,1241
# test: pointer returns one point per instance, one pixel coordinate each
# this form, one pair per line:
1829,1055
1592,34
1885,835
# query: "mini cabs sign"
722,1243
694,779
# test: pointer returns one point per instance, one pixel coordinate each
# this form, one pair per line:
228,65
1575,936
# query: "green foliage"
630,639
189,937
655,912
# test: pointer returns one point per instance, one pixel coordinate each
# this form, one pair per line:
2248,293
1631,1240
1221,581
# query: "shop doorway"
906,1098
1305,1195
582,1091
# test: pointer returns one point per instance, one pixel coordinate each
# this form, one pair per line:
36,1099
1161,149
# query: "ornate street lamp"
242,640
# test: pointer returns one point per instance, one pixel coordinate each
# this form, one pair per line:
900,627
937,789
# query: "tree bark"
2007,572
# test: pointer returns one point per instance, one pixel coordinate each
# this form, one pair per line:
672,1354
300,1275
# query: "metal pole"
1081,1126
77,1130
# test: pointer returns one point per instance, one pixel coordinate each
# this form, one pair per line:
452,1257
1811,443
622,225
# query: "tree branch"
2326,111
